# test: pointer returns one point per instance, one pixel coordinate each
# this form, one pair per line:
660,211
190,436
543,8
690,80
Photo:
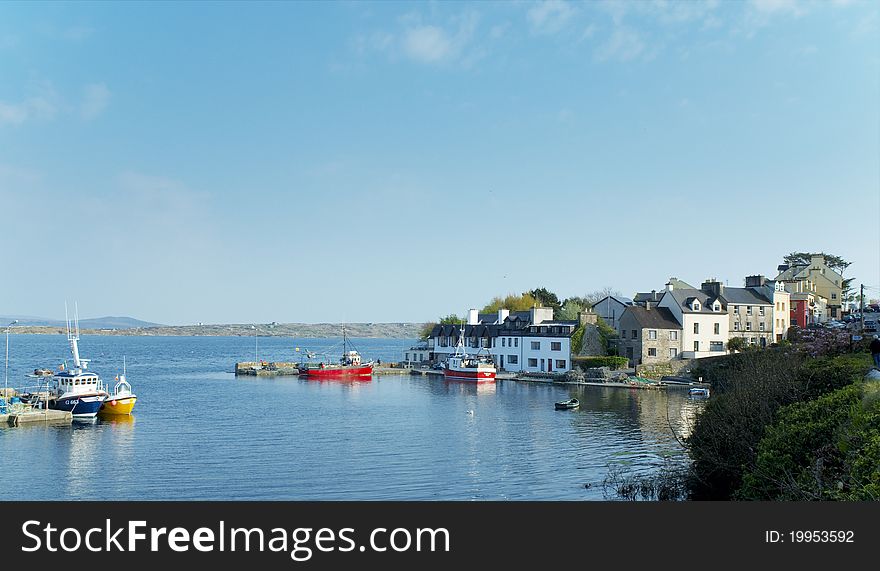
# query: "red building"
801,310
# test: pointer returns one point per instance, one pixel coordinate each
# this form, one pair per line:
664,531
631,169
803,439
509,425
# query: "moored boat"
121,400
568,404
77,390
460,366
699,391
350,366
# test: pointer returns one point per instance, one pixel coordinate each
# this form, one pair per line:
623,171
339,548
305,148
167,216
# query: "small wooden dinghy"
568,404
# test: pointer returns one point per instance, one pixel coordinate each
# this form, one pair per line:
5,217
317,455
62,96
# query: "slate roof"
684,297
744,296
657,318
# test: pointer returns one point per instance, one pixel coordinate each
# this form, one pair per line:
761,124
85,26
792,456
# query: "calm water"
199,432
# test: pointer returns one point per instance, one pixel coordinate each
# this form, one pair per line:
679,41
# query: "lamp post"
6,379
256,341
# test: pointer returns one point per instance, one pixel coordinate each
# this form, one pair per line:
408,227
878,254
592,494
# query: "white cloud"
96,96
427,44
549,16
625,44
42,105
432,43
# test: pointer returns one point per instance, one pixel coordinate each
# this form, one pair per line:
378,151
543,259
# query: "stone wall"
671,368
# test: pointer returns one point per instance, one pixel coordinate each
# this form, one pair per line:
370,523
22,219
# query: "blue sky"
320,162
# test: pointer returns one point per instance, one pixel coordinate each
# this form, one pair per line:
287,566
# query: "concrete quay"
44,416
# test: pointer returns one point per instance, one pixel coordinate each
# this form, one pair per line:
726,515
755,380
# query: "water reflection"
393,437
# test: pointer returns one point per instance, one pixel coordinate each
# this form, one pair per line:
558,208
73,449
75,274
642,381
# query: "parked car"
870,325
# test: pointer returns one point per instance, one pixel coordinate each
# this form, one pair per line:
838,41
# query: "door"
549,365
502,361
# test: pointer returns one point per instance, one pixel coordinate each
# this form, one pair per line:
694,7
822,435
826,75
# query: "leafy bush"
612,362
749,390
577,340
824,449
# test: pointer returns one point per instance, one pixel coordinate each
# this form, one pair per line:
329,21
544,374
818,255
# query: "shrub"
577,340
824,449
612,362
749,390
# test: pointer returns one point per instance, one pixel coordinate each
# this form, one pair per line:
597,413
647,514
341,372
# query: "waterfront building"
417,355
825,282
648,335
527,341
703,318
611,308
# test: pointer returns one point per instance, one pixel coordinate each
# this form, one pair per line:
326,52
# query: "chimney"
648,305
755,281
712,286
503,314
669,285
473,317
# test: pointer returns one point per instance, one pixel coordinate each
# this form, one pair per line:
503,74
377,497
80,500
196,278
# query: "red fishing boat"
348,367
460,366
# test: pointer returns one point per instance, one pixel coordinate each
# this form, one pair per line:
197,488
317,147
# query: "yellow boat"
121,401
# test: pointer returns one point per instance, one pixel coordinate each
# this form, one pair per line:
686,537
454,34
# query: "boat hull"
117,406
472,376
337,372
82,406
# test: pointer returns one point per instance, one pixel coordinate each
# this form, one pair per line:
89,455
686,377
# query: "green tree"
425,332
736,344
570,309
512,302
545,297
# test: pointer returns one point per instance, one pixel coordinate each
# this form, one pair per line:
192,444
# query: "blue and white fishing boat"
77,389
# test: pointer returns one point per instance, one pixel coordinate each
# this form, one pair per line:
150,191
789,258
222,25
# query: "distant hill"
93,323
385,330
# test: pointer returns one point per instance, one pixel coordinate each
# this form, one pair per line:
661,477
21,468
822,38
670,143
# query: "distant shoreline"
314,330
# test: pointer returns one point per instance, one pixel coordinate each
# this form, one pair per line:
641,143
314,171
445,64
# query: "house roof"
657,318
642,297
618,298
684,298
745,296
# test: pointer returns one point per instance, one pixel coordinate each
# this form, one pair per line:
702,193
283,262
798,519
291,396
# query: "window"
502,341
635,333
560,363
623,333
536,345
516,342
833,296
513,359
736,325
652,334
696,306
748,325
696,328
556,346
652,352
673,335
761,326
761,310
716,307
696,345
533,362
736,309
716,346
673,352
717,329
748,310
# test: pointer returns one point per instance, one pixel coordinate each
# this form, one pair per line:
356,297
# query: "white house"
529,341
703,318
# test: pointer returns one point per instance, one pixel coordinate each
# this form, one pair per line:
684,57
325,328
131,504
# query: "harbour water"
198,432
